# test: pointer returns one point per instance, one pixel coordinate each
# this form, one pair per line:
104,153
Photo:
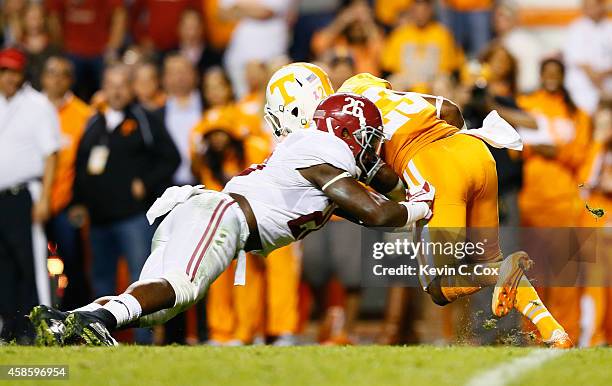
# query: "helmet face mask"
292,95
274,122
284,122
368,159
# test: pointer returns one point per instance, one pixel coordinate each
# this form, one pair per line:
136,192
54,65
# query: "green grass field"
307,365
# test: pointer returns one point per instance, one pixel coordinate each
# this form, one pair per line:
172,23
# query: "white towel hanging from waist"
497,132
172,197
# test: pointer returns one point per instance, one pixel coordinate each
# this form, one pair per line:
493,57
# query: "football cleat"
510,273
285,340
339,340
559,339
86,327
49,325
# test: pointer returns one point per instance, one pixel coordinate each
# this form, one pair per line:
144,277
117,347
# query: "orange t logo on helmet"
279,84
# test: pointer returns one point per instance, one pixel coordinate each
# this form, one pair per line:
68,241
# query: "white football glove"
424,193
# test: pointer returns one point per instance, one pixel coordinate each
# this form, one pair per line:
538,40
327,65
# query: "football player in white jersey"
309,175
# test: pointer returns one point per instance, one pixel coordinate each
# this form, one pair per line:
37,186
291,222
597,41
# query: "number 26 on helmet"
358,122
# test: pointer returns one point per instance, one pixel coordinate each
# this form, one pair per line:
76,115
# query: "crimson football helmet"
357,121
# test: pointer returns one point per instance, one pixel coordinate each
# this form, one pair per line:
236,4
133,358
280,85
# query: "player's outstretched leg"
192,246
93,323
513,290
529,304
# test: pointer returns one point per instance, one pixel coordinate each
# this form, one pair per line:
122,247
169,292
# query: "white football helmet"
292,95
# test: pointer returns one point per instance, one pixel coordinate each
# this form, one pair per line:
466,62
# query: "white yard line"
514,369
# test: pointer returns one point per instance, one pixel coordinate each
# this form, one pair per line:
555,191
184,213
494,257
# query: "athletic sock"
124,309
529,304
88,307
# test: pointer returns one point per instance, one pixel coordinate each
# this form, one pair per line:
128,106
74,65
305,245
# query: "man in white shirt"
588,56
182,111
523,45
29,140
261,34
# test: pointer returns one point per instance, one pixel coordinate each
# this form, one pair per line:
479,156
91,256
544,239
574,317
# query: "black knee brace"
434,289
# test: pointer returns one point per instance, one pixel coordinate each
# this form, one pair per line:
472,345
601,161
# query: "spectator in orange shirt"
388,12
251,105
354,29
57,78
557,156
470,22
92,32
596,173
549,196
420,49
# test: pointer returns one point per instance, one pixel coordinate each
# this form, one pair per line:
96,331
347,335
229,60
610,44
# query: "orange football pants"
462,170
267,304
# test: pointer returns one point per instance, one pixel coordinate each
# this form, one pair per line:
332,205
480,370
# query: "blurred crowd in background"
105,103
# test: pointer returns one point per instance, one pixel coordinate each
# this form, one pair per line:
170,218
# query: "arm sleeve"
165,155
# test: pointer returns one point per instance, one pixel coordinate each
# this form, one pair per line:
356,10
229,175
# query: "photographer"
496,90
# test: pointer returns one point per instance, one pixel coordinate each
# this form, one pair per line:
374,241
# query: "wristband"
416,211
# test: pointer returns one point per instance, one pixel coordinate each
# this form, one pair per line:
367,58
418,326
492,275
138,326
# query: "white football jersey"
286,205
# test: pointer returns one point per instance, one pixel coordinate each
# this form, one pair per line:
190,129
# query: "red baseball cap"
13,59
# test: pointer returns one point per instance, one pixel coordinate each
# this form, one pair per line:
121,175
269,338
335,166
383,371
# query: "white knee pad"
186,292
159,317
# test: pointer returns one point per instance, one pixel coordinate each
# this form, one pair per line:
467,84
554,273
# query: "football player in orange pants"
423,143
266,306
